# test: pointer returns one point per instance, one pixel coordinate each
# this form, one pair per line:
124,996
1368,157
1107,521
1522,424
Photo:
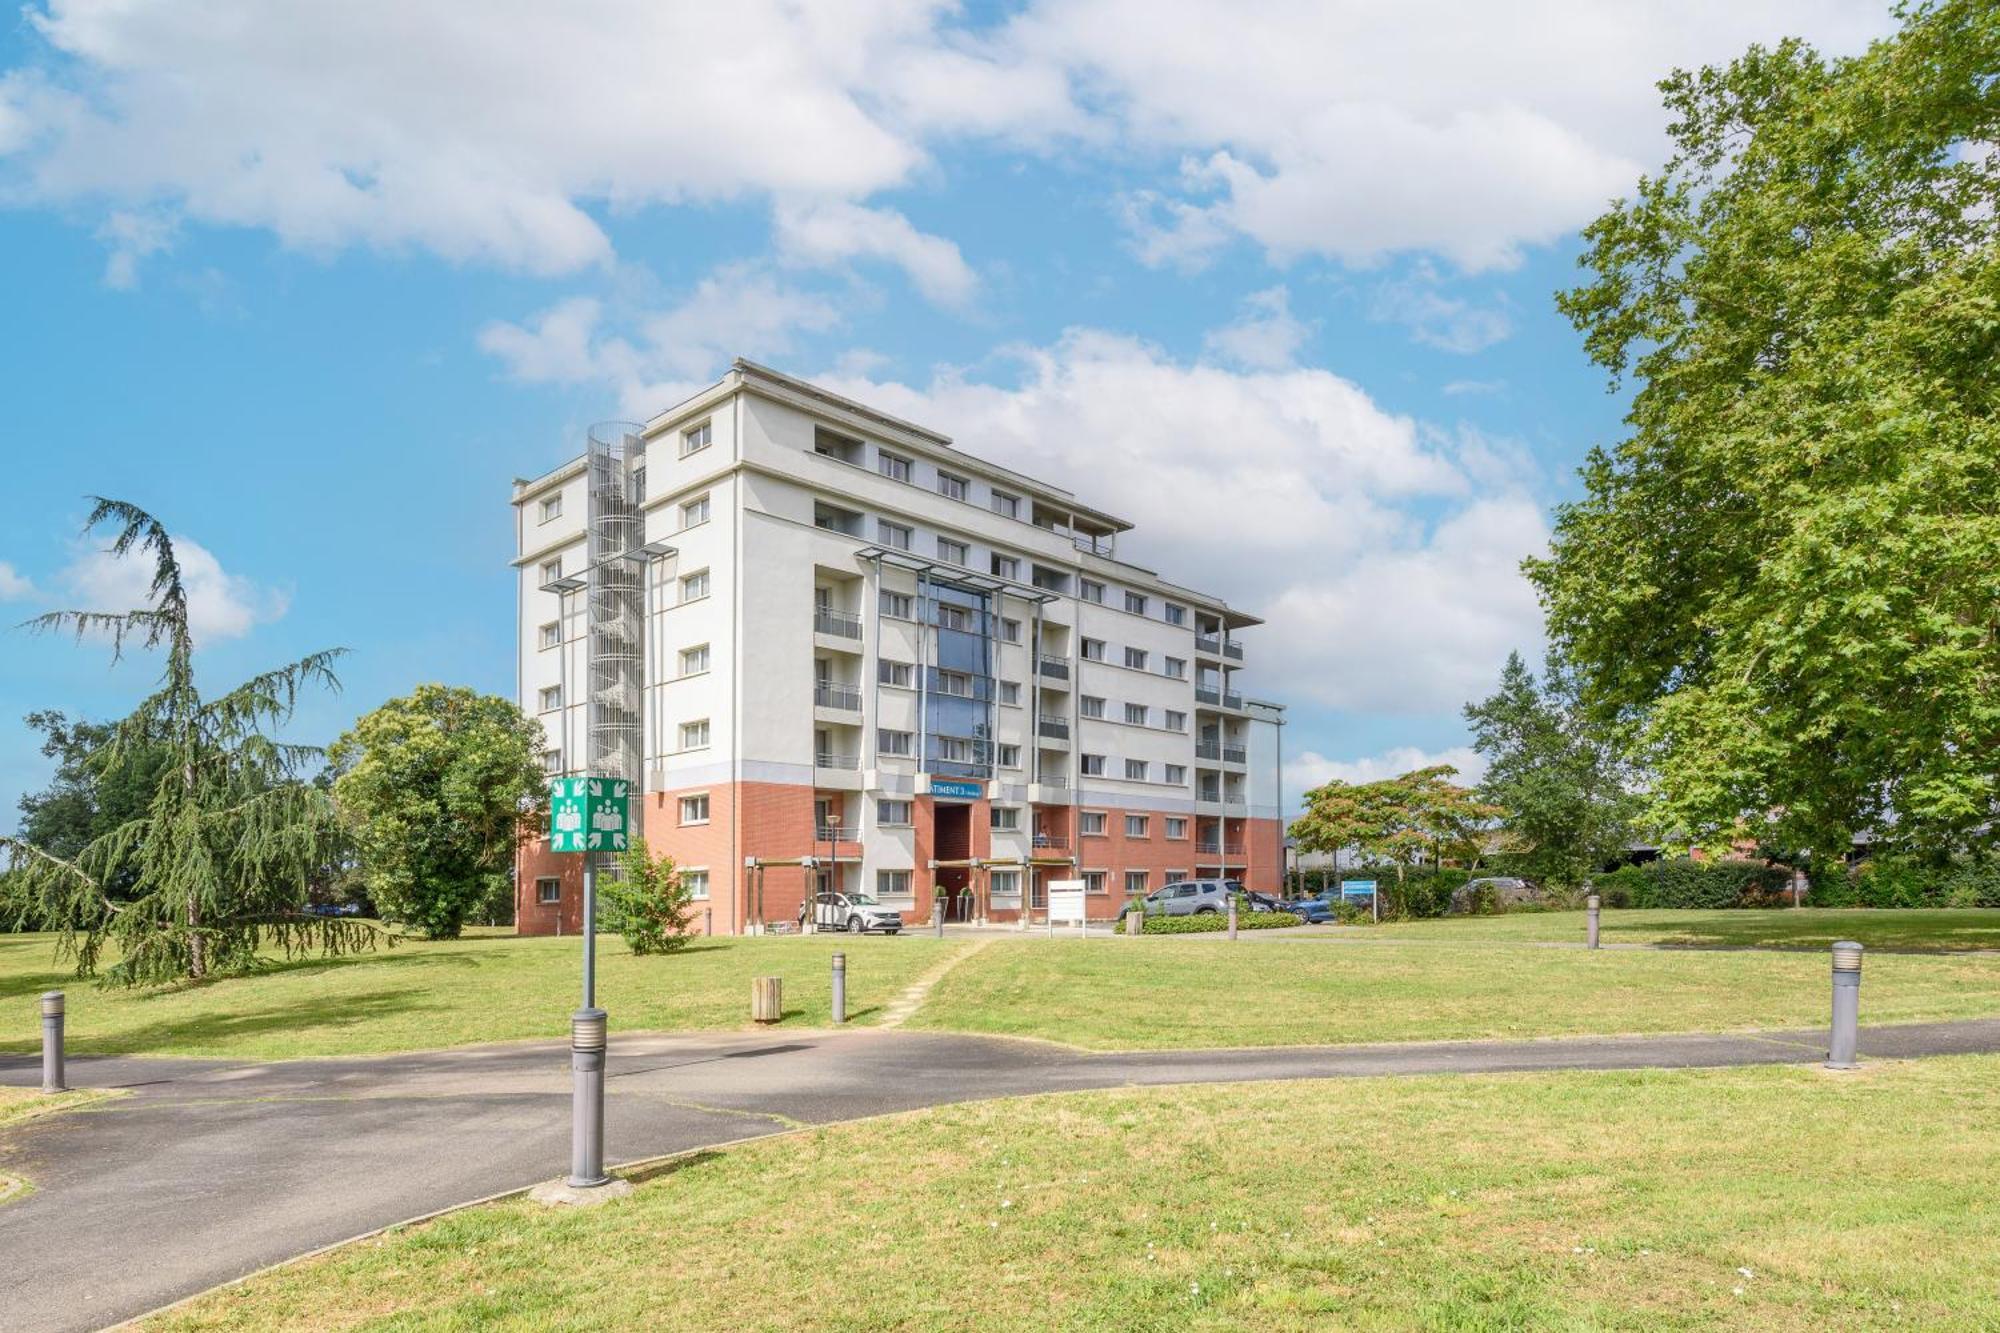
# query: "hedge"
1892,881
1211,921
1684,883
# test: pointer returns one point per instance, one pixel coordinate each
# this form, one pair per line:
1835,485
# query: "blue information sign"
951,789
1357,888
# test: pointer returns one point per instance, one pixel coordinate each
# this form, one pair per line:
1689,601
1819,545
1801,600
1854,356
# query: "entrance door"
951,827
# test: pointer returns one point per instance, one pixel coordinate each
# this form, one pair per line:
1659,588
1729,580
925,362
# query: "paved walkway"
210,1170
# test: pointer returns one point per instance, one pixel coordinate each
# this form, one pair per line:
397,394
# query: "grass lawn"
1929,930
1783,1198
1195,991
486,987
19,1104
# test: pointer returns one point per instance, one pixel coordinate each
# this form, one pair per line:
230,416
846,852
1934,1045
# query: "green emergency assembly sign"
589,814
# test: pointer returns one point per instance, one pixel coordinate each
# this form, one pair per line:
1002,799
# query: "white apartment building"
812,632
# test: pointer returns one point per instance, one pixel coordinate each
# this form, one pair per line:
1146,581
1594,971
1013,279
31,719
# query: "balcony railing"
1054,727
1092,545
1057,780
840,624
1232,648
835,833
1213,848
1207,694
1235,754
828,695
1051,842
1208,750
1055,667
1210,794
1232,700
1208,643
827,759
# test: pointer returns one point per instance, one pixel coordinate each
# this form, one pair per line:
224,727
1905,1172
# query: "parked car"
1311,910
1262,902
1190,897
1497,893
854,913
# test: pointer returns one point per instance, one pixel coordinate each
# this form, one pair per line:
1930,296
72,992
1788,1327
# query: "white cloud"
1312,769
1448,323
14,585
831,233
1266,336
1459,388
221,605
131,237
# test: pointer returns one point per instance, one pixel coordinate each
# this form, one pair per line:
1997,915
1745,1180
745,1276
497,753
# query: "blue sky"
1272,279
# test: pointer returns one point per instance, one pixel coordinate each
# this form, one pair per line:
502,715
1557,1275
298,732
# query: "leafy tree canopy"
90,794
1402,820
649,901
433,788
1785,582
218,861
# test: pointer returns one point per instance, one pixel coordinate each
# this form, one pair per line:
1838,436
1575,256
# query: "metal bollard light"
840,988
1594,906
1232,918
1846,1005
587,1043
52,1042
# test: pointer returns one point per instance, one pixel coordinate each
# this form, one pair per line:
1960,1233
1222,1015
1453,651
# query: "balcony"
1210,847
836,834
1090,544
1051,842
1233,649
836,624
1235,754
1207,694
1208,750
1054,728
837,763
1055,668
1208,643
837,772
829,694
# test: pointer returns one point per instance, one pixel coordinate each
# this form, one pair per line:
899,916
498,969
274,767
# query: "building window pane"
548,890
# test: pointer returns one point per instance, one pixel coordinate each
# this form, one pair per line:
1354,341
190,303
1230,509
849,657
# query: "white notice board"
1066,903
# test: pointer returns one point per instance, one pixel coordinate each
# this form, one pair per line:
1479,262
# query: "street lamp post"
588,815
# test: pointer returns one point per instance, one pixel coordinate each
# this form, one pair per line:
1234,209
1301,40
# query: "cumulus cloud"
221,605
1435,319
14,585
1312,769
1266,336
834,232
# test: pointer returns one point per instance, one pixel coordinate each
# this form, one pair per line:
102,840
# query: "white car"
854,913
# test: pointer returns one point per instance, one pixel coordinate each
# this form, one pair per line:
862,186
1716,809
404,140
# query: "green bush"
1214,921
1894,881
649,904
1682,883
1425,891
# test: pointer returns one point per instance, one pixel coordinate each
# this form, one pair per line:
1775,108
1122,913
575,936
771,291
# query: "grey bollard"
937,918
1232,918
1135,922
840,988
1594,906
1846,1005
587,1044
52,1042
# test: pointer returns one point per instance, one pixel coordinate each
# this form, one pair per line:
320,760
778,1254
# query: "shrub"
1894,881
1683,883
1424,892
1214,921
649,905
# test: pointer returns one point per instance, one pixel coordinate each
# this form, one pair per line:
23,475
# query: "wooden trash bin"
767,999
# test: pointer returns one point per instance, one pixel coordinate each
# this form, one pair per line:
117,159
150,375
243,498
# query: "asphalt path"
208,1170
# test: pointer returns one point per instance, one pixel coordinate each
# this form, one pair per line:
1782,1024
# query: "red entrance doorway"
951,836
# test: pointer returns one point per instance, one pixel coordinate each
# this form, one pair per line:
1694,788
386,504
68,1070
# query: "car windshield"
861,899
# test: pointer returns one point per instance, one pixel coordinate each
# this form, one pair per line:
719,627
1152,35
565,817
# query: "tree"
1566,790
650,903
1779,585
218,861
1401,820
90,795
434,787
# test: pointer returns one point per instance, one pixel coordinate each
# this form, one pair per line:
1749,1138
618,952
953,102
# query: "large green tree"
434,787
1567,792
1784,584
90,794
1421,815
218,861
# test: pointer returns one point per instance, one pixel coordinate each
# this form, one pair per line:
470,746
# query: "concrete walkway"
210,1170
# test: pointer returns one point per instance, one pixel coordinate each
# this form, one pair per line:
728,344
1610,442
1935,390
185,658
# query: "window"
1005,567
893,466
1135,882
1093,650
1135,602
950,487
1051,580
1175,667
958,749
1093,765
638,484
551,571
1005,505
902,744
695,512
1135,658
1093,881
548,890
551,636
898,606
952,616
835,519
1176,721
694,735
1135,770
1010,756
694,660
898,674
1175,613
694,586
1177,775
1090,706
1010,630
1091,823
1176,827
551,698
892,884
1091,590
1010,692
954,682
694,809
1004,883
1006,817
1135,826
893,812
1173,876
696,438
696,882
892,534
1137,714
552,761
954,552
551,506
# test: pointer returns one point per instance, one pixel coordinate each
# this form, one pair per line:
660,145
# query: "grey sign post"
52,1042
590,816
1846,1005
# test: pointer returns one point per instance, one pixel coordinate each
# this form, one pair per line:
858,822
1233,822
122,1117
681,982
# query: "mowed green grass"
1184,991
416,995
1931,930
1770,1198
21,1104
